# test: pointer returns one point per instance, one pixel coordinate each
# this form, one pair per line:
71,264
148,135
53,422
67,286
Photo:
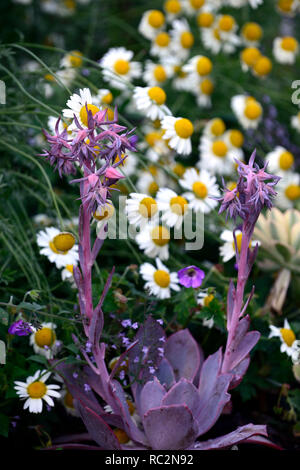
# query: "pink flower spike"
93,179
113,173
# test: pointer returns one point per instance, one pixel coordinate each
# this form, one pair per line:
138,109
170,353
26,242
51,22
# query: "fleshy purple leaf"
151,396
170,427
184,355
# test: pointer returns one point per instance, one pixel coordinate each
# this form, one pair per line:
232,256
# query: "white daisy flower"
288,190
151,101
42,219
204,299
203,92
118,67
104,97
288,8
77,105
67,275
289,344
159,280
227,250
72,59
68,402
251,34
214,128
44,340
182,39
201,188
198,67
194,7
58,246
234,139
35,390
227,27
181,80
295,122
173,8
248,58
141,209
211,39
154,147
150,180
280,160
151,23
154,241
172,206
129,164
156,74
217,156
161,45
285,49
178,133
205,19
247,110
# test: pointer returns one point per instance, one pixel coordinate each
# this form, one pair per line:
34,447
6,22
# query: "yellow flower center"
286,160
207,300
292,192
70,268
179,169
187,39
157,94
262,66
131,406
153,188
107,99
159,73
179,72
122,66
236,138
219,148
217,127
148,207
231,185
288,336
69,4
172,6
84,115
207,86
121,436
250,55
184,128
160,235
252,109
44,337
104,212
110,114
36,389
226,23
162,278
205,19
285,5
252,31
217,34
162,39
289,44
68,400
152,138
156,19
63,242
75,59
200,189
178,205
49,77
196,4
204,66
238,242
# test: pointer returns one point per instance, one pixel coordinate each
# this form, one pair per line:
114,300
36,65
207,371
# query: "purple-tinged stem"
86,259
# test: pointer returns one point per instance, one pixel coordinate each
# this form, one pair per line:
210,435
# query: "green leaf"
38,358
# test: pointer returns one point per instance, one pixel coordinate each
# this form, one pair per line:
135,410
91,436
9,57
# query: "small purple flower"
126,323
87,388
20,328
135,325
191,276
